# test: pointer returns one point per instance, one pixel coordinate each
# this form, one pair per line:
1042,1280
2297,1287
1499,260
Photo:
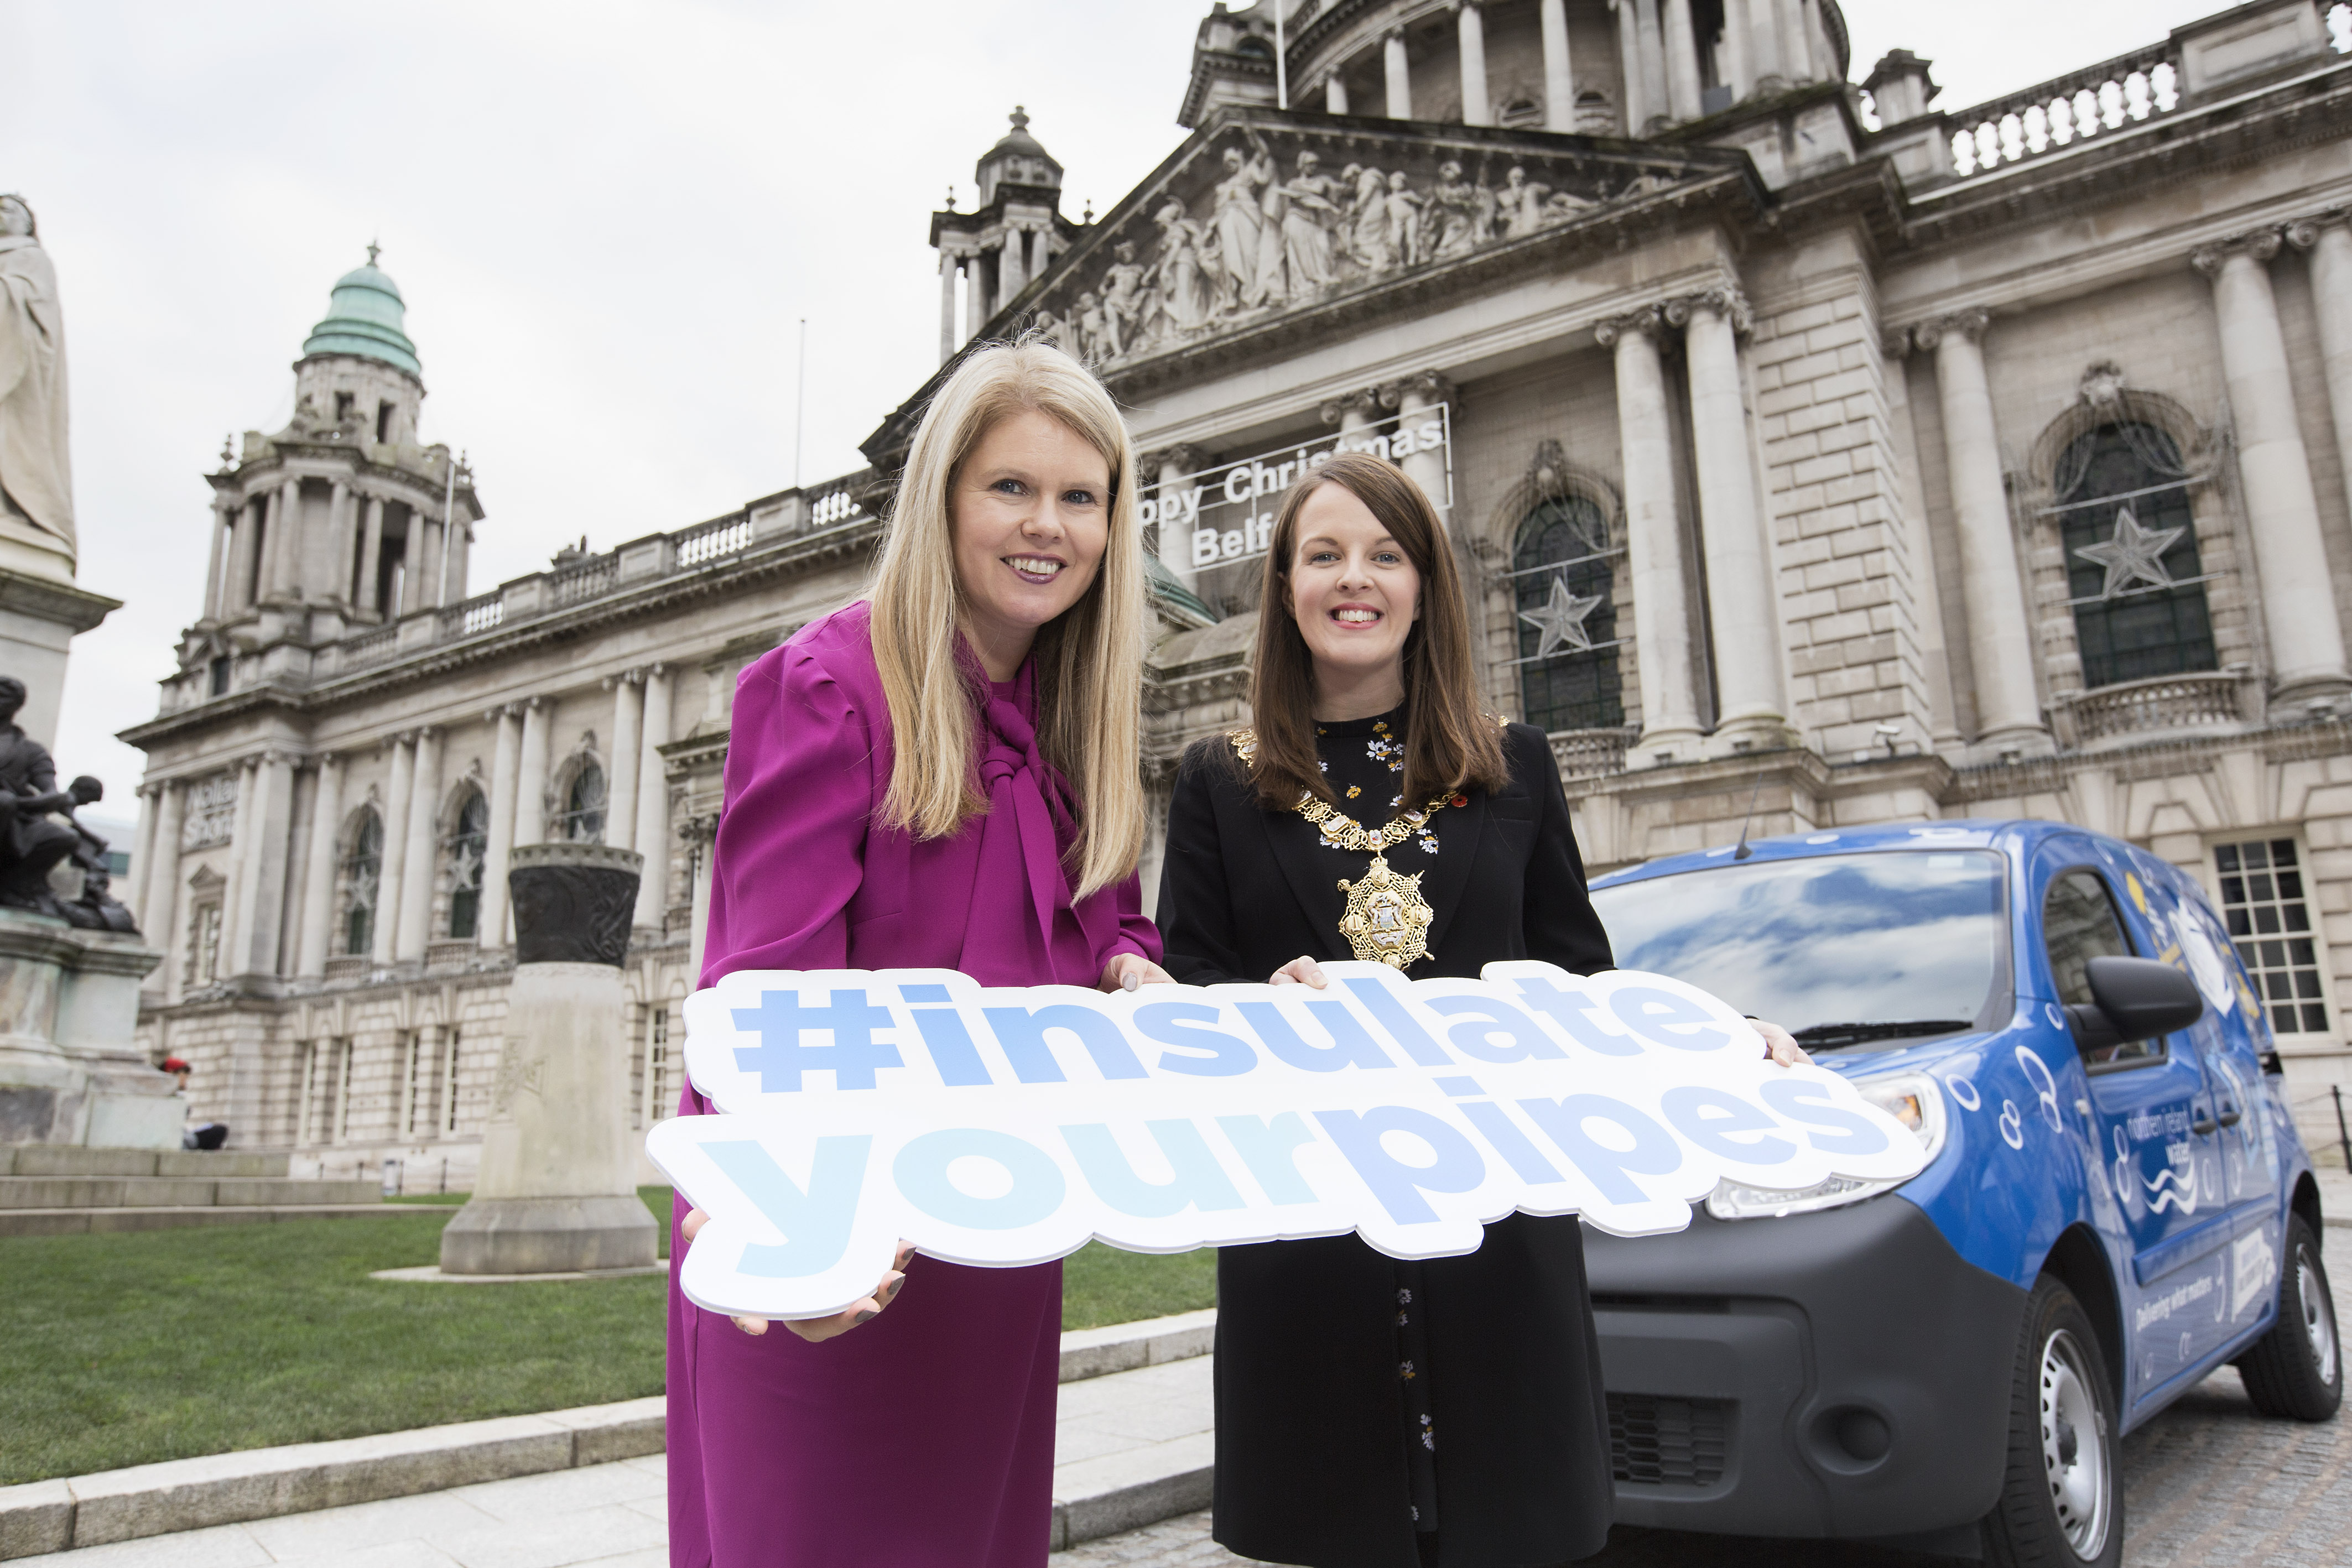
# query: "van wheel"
2297,1368
2062,1499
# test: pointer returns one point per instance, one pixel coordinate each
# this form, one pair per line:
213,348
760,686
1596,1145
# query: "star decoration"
2135,555
1560,619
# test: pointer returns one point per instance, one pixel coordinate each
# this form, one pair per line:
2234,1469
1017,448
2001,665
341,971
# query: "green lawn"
124,1349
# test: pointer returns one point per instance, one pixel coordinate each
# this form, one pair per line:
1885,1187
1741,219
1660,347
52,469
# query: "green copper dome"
364,317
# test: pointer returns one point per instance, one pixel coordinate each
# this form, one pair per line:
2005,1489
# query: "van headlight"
1911,1098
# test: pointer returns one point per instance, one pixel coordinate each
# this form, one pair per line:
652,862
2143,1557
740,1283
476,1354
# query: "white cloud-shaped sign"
1011,1126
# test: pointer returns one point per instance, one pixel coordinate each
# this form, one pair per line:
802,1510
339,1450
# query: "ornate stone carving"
1276,229
2103,383
1365,403
1724,300
1430,387
572,902
1648,318
1896,344
2303,232
1969,324
2261,244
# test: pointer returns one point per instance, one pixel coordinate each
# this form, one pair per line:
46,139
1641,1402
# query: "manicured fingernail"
891,1293
864,1316
1129,980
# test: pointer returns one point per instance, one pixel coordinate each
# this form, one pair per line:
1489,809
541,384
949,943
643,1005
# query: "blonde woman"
943,777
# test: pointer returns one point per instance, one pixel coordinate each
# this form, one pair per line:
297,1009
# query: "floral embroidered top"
1364,760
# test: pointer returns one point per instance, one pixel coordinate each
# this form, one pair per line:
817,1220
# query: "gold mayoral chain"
1387,920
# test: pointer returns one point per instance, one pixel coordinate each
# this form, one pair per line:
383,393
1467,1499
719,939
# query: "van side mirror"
2134,998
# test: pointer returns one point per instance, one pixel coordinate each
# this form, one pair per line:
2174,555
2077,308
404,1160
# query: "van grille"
1659,1442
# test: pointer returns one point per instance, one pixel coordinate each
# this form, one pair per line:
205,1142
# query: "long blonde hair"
1090,659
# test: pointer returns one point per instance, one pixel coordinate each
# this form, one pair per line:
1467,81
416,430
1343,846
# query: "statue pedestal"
70,1072
557,1190
39,616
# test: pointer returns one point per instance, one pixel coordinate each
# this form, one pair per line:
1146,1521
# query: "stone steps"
159,1192
72,1160
95,1221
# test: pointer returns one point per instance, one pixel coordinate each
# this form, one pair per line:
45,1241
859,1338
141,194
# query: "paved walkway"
2210,1485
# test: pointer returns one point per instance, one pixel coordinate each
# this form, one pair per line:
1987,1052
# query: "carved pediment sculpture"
1260,215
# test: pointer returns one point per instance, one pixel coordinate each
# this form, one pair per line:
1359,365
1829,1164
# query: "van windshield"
1870,950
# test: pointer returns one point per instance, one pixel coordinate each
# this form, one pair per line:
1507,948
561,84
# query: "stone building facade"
1809,449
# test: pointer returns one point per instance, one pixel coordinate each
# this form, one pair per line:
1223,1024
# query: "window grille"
2269,913
1563,587
205,944
466,849
657,1094
342,1119
2132,576
363,880
449,1083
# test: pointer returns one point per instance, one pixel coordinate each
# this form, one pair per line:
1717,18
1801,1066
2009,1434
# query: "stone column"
1631,67
975,299
396,847
1754,703
319,871
158,904
530,773
1559,81
132,894
1353,414
339,539
240,843
243,526
1335,94
1681,42
1661,629
419,860
286,553
261,888
621,775
428,594
1739,69
216,565
371,557
1013,272
557,1189
652,837
1764,54
1470,28
947,305
2000,641
459,533
1399,71
2328,240
490,929
1796,48
266,548
2297,592
1417,399
699,833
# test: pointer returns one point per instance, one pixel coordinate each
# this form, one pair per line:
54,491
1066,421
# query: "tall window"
2132,572
1562,584
363,878
465,849
2269,912
205,944
583,806
449,1082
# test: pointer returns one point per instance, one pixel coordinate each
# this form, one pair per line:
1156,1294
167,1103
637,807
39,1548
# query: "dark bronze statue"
32,843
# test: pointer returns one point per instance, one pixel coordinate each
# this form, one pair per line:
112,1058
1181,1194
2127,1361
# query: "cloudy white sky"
607,217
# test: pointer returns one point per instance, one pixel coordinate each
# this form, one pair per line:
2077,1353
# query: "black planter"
572,902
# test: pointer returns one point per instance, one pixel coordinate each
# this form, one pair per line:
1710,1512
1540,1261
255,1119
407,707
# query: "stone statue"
1313,212
1239,223
36,471
31,845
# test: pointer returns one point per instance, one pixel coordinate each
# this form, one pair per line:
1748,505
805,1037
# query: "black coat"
1311,1465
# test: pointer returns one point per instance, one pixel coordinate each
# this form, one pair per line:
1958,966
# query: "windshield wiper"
1828,1034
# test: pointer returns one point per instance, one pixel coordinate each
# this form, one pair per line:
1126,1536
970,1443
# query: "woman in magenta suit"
944,776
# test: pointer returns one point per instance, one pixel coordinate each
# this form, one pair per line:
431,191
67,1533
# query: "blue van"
2115,1202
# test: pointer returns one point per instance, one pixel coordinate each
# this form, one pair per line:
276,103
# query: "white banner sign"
1226,513
1011,1126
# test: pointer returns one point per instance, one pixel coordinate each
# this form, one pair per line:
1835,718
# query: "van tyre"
2062,1500
2297,1369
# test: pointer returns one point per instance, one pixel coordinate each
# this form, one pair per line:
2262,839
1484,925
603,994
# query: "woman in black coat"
1373,1413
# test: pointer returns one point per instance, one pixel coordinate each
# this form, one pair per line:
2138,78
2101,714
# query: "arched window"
1563,588
583,806
467,847
363,878
2132,572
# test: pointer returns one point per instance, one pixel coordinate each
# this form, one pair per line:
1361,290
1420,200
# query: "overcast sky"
606,217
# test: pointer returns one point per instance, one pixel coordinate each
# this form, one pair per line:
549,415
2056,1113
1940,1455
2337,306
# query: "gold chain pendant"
1387,920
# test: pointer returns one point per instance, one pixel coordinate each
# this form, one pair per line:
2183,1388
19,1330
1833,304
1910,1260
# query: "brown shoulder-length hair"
1450,743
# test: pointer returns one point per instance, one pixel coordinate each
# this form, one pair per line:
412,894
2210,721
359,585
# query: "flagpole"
799,405
1281,65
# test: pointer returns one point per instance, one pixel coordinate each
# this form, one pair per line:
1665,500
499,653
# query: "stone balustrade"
1591,753
2163,705
2065,110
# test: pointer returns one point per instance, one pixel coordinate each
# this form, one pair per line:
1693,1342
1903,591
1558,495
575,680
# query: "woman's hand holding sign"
816,1331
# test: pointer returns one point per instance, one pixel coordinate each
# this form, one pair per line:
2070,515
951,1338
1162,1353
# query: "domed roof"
1018,144
366,315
